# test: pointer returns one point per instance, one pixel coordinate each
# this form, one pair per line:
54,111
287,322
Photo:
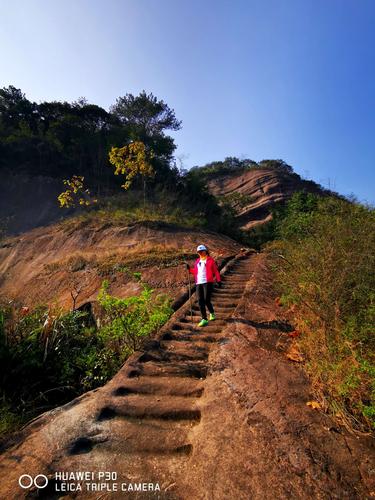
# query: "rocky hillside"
254,192
47,264
28,201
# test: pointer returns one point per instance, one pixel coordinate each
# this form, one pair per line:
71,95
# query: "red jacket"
211,270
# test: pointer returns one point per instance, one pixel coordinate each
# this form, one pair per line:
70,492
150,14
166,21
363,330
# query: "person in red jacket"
205,272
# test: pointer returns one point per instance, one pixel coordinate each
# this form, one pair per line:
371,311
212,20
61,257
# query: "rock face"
259,190
44,265
217,413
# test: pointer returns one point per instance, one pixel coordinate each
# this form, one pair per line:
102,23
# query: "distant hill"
252,189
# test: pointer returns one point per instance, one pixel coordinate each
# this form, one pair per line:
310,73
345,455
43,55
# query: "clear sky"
289,79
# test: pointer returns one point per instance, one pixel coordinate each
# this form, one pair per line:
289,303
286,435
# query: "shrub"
235,200
230,165
49,356
129,320
327,272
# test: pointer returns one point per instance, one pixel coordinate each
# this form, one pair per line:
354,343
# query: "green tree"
132,160
147,118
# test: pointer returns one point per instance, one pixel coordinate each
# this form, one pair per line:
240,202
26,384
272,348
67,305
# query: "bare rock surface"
260,189
46,264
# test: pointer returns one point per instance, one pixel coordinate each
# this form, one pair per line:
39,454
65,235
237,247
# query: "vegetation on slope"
74,140
48,356
189,205
326,273
233,165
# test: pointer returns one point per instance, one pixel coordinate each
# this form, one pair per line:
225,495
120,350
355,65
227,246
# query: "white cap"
201,248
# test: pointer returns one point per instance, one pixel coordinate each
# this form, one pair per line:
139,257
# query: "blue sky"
289,79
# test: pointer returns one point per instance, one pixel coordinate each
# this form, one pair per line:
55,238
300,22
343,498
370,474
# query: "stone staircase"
141,424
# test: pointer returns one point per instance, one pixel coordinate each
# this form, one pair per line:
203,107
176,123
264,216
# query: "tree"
62,139
127,321
132,160
76,193
146,112
147,119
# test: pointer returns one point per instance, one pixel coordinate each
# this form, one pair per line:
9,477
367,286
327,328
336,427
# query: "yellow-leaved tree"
132,160
76,193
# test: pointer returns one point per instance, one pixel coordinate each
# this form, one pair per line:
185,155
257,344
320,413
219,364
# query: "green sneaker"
212,316
203,322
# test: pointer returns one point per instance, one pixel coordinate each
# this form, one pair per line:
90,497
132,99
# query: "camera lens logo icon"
26,481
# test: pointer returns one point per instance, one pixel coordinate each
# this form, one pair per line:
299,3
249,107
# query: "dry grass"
153,212
138,256
327,277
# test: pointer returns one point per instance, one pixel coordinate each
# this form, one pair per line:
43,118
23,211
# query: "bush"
128,321
230,165
235,200
233,165
327,273
47,356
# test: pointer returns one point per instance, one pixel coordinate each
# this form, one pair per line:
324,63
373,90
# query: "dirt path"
211,413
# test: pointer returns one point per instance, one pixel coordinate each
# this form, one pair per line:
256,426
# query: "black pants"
204,292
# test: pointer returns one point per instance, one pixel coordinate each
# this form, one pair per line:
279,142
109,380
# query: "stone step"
161,355
235,274
145,407
210,328
195,318
138,436
214,324
237,270
187,321
186,328
228,282
236,281
232,277
172,386
221,315
206,337
185,331
178,369
181,325
233,287
187,348
219,306
226,294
